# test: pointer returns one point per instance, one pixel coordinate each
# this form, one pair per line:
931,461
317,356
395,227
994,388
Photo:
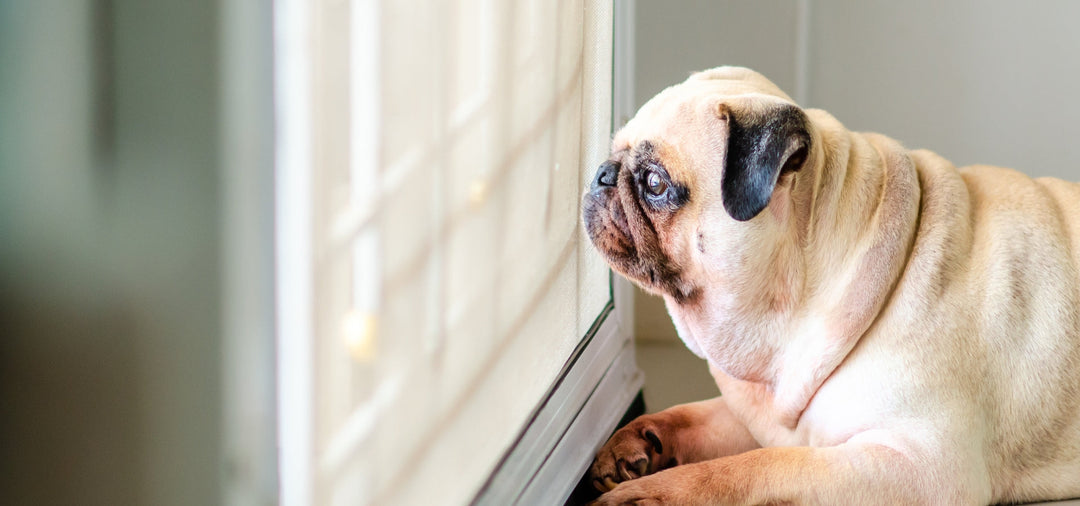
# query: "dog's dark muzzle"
605,219
606,175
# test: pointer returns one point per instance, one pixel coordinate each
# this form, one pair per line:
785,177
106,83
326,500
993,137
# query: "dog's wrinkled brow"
645,154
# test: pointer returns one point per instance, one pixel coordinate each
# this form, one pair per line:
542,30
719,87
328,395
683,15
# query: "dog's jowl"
885,328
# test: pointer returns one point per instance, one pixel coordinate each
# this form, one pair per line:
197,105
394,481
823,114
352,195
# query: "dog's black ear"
759,150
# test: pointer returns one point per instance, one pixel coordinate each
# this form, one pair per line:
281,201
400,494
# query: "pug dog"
884,328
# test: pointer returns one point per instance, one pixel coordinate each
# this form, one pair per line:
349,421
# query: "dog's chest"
830,419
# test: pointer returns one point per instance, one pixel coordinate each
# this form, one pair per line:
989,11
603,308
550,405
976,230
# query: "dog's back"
996,264
1026,251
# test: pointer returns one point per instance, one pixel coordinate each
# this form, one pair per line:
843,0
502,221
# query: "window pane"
450,141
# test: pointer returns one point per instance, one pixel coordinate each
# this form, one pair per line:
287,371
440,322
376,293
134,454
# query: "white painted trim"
622,97
293,246
623,62
623,292
802,51
593,394
598,418
249,446
578,415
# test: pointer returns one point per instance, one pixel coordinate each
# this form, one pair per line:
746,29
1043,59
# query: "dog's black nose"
606,174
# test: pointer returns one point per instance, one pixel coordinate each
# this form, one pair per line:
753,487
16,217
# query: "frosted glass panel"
450,143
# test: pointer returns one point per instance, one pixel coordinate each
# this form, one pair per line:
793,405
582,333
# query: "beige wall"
979,82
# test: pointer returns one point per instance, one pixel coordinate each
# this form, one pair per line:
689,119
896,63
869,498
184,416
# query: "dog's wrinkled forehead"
690,104
679,125
728,122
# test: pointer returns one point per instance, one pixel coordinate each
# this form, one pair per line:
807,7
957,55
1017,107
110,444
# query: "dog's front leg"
682,434
849,474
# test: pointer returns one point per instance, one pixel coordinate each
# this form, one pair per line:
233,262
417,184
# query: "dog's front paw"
641,448
646,491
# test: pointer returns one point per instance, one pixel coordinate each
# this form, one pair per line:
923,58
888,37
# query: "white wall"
978,82
677,37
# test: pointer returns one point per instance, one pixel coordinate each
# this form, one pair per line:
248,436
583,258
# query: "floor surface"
673,375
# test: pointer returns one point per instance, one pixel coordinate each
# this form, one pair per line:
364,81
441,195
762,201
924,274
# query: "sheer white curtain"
433,277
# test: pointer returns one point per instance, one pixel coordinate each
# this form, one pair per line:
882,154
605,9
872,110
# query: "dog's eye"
655,183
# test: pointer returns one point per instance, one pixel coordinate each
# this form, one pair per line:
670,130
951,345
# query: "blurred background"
136,173
123,126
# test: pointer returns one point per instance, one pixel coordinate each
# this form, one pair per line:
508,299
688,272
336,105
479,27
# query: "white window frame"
600,380
592,392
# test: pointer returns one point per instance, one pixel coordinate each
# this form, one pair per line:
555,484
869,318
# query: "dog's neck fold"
849,231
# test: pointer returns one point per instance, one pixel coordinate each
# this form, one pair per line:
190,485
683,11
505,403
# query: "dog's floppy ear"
760,148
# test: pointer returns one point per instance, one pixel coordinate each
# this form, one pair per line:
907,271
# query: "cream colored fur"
890,330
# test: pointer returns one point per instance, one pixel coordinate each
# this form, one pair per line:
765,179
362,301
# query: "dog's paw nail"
610,483
652,437
599,486
642,466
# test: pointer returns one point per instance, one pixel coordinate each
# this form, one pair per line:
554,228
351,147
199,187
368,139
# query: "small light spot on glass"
359,331
478,191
